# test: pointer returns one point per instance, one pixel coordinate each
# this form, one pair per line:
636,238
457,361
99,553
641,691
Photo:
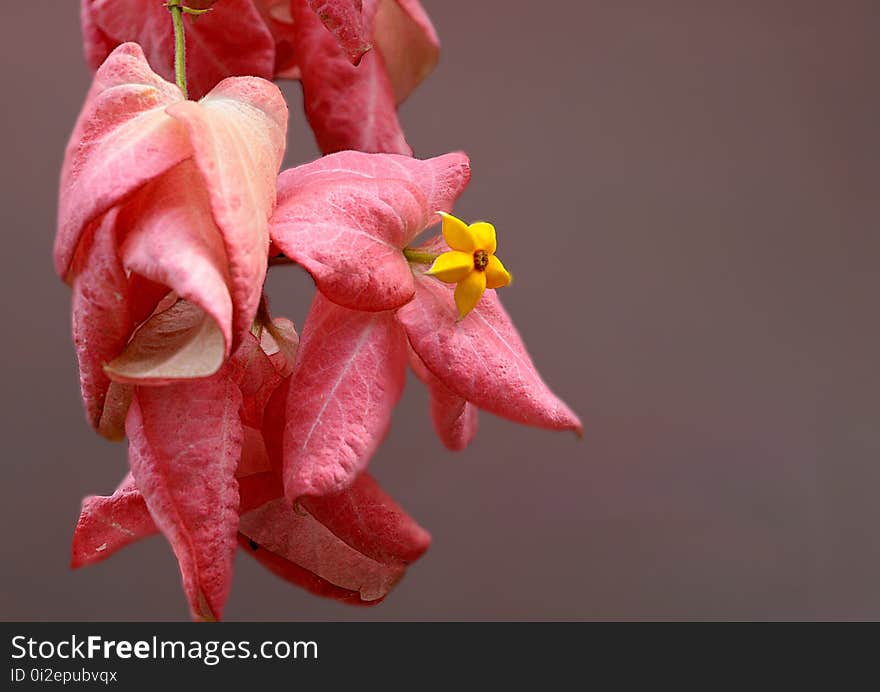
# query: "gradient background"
687,193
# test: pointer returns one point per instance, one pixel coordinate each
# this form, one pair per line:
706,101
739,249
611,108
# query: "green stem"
419,257
177,10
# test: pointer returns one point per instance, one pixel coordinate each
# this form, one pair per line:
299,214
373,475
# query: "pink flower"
347,219
161,195
201,475
357,60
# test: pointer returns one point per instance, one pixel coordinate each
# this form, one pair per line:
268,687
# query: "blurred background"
687,193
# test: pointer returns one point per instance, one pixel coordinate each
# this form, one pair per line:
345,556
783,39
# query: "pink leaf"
102,320
122,139
349,374
481,358
404,35
238,134
185,443
349,235
276,14
231,39
280,342
172,240
256,376
347,107
345,20
454,418
107,524
440,179
369,521
285,540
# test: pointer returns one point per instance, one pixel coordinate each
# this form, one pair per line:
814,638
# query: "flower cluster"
241,433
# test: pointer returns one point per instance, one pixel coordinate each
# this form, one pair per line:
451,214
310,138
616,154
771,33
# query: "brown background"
688,195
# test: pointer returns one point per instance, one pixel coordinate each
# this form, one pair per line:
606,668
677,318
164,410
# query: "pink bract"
160,194
357,60
347,219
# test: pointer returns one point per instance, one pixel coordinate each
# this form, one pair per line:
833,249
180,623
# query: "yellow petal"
496,275
469,291
457,234
483,233
452,266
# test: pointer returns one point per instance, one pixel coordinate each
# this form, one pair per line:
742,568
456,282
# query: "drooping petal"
122,139
347,107
185,443
238,135
484,236
496,274
231,39
345,20
482,357
349,235
108,523
441,179
348,376
172,240
297,547
102,320
180,343
404,35
368,520
452,266
454,418
469,291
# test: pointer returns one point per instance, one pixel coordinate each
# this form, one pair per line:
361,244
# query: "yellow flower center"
481,259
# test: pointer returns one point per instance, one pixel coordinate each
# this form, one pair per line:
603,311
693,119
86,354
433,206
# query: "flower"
201,474
347,219
357,61
163,198
471,263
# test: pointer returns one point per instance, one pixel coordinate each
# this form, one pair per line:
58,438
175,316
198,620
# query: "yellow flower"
471,263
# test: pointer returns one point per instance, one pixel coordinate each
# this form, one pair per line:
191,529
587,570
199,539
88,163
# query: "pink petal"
231,39
102,320
254,457
345,20
180,343
276,15
481,358
172,240
404,35
349,235
299,576
347,107
107,524
284,539
369,521
454,418
122,139
256,376
238,133
348,376
440,179
280,342
185,443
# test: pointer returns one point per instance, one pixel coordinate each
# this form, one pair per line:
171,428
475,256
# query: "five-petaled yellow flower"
471,263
